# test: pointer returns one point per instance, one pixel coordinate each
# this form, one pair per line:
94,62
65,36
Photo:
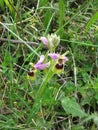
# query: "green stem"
44,83
36,105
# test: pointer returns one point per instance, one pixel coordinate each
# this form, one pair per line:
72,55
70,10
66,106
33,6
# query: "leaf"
92,20
61,16
10,5
95,120
47,18
61,12
2,4
72,107
42,3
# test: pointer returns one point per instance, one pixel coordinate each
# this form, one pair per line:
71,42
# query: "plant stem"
44,83
38,100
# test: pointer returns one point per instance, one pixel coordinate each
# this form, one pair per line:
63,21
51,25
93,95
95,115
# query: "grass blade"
92,20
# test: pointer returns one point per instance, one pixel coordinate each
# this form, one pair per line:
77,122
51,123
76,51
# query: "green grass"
52,101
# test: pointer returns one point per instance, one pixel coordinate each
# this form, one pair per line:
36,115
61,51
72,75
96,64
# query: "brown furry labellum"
59,66
31,73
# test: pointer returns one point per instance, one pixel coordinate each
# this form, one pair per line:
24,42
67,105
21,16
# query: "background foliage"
70,101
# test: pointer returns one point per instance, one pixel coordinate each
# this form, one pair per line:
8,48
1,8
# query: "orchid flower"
38,66
44,40
59,62
31,75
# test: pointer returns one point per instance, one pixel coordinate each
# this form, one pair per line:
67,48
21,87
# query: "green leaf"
47,18
92,20
96,120
77,127
61,17
43,2
2,4
10,5
61,12
72,107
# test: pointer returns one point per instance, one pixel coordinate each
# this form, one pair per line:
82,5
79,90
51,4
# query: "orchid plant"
54,66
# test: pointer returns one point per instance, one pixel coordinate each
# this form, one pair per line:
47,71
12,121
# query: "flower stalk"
44,83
